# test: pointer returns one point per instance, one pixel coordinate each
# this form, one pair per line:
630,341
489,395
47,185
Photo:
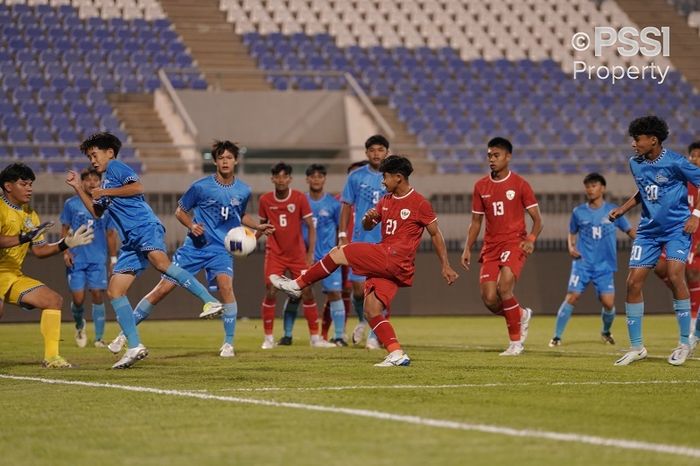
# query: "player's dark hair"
103,140
14,172
219,147
594,178
281,167
693,145
649,125
89,171
501,143
396,164
377,139
316,168
355,165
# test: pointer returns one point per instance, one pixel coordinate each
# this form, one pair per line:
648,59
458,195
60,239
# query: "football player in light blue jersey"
142,233
593,245
362,191
209,209
326,209
661,176
86,266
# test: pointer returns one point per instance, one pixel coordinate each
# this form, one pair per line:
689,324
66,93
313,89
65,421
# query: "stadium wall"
542,287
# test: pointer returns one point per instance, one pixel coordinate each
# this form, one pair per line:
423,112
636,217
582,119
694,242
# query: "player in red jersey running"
389,264
285,250
502,198
692,268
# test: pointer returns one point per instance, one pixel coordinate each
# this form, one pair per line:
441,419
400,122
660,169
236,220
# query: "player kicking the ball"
389,264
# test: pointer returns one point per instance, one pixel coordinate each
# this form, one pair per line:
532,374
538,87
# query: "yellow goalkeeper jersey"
13,221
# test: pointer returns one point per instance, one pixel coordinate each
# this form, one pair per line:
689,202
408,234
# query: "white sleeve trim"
533,205
477,212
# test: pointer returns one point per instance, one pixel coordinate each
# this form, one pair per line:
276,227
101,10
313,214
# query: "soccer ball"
240,241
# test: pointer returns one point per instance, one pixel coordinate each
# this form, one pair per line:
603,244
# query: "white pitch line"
461,385
415,420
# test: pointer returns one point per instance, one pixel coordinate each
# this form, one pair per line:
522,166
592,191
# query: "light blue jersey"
596,239
132,215
326,220
363,190
662,185
75,214
217,207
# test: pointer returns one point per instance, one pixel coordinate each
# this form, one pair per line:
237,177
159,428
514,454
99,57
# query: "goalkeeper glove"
27,236
80,237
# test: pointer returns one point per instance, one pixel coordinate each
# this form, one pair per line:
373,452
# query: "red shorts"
384,272
279,265
501,255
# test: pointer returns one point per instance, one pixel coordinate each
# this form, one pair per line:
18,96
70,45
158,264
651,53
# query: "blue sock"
635,313
291,307
98,319
142,311
229,319
125,317
78,312
682,309
608,317
359,306
338,317
563,316
188,282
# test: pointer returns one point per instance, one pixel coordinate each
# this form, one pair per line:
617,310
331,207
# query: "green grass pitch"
458,403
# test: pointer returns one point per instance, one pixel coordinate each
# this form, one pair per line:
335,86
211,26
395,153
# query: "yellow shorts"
14,285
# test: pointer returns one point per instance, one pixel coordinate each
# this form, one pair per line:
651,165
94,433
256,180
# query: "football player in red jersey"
389,264
502,198
286,209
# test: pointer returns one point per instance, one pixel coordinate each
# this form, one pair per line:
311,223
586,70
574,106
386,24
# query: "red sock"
385,333
268,314
326,321
694,288
511,311
318,271
311,314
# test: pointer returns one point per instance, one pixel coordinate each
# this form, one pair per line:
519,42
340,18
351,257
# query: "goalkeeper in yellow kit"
20,228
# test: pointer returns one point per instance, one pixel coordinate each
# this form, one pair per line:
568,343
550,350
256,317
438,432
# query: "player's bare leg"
608,316
77,308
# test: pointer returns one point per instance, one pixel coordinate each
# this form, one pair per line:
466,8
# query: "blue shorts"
92,274
133,257
581,276
645,251
353,277
214,260
334,281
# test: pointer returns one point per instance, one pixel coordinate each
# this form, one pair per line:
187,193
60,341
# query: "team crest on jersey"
291,208
404,214
324,213
235,202
661,177
510,194
28,223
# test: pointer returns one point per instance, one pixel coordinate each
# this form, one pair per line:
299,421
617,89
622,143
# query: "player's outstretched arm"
622,210
187,221
472,235
311,228
135,188
261,228
448,272
80,237
370,219
528,245
345,213
25,236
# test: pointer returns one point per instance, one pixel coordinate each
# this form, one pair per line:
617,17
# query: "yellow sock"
51,330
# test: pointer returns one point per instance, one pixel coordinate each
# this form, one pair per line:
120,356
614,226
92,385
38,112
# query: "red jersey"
403,221
287,216
503,203
692,198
